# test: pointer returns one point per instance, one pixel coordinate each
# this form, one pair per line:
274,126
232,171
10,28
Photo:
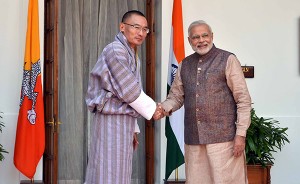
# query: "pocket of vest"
214,76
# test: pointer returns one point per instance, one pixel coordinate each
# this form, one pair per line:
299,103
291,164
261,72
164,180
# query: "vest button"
197,109
197,95
198,83
198,122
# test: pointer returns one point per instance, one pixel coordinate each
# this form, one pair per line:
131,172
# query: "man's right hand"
159,112
239,145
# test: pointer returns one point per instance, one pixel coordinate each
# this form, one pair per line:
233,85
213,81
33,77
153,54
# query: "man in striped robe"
116,98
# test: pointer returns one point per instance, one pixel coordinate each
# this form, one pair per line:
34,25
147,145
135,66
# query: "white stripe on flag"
177,118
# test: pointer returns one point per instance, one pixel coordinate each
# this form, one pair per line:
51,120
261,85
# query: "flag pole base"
29,182
179,181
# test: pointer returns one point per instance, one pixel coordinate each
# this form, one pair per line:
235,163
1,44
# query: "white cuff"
144,105
136,127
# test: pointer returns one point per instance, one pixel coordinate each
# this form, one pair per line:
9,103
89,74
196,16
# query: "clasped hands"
159,112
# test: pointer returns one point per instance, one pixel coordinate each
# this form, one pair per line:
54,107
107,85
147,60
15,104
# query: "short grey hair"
198,23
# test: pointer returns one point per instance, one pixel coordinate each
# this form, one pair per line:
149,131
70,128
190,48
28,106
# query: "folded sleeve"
144,105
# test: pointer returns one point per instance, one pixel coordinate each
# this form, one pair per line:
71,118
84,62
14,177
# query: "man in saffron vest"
211,86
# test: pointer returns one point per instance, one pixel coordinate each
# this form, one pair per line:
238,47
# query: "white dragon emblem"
28,85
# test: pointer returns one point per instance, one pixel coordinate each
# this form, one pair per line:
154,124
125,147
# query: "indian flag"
175,123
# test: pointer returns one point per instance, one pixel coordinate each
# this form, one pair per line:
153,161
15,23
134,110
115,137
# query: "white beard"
202,51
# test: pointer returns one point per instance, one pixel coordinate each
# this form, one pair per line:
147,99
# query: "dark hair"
131,12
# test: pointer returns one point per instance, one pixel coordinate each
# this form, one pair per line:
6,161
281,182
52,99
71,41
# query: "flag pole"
175,124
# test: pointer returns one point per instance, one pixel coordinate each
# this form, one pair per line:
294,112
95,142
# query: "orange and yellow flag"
30,135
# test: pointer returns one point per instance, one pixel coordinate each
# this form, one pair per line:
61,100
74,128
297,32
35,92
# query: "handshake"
159,112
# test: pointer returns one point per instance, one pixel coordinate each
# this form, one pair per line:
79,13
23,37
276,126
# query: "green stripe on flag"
174,156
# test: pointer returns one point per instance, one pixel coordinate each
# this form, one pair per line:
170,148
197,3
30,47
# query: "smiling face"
133,29
201,39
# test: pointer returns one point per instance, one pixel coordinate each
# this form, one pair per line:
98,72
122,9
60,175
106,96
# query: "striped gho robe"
116,97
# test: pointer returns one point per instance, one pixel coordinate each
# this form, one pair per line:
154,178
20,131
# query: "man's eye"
195,37
137,27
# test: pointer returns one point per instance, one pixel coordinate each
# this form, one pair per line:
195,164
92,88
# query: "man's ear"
122,27
190,41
